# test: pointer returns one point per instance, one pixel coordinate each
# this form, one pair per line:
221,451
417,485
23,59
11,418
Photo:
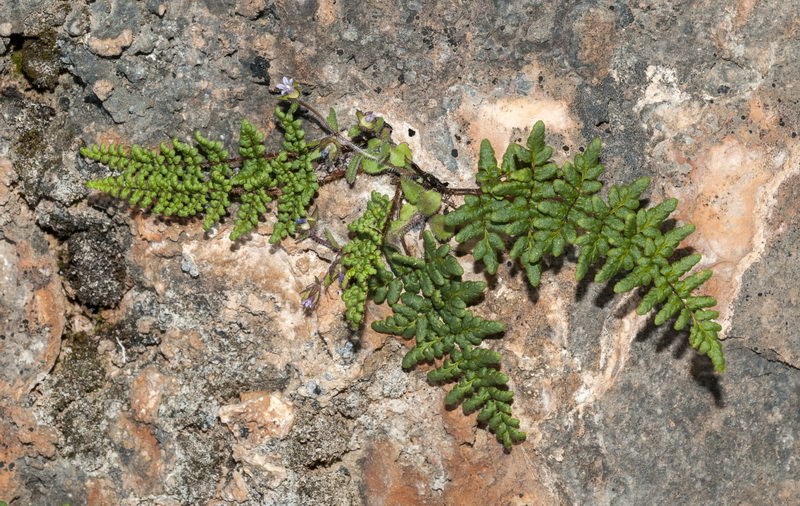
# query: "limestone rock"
145,361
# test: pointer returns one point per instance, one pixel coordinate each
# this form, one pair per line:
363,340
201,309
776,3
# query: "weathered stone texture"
144,361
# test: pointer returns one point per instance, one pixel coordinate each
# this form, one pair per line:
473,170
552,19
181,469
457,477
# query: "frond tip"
169,181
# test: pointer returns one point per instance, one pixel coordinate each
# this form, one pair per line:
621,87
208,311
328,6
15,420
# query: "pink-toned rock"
253,459
251,8
147,391
11,450
236,489
259,417
101,492
474,477
183,348
39,439
103,89
34,308
263,415
21,436
389,482
143,471
6,169
496,478
111,46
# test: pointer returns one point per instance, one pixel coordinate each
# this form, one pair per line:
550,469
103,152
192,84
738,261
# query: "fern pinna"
429,302
362,256
542,207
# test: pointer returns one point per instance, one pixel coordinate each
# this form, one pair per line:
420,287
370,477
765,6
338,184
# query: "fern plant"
527,207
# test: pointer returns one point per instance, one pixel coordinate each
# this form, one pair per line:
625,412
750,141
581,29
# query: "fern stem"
321,240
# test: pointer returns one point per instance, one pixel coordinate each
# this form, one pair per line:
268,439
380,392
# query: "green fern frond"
475,215
182,180
294,175
219,180
169,181
429,301
540,208
362,256
256,177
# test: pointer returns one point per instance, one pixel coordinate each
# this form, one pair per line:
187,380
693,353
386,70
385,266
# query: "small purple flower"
325,151
370,117
341,276
309,302
287,86
300,221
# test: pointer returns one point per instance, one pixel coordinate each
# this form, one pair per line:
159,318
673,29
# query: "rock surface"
143,361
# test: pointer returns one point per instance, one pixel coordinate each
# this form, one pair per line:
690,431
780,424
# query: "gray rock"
95,268
318,439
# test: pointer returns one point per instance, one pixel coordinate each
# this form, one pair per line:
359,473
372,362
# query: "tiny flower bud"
365,120
330,151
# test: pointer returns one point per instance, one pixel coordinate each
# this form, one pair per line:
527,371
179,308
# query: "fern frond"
294,175
256,177
169,181
475,215
173,179
540,208
432,310
362,256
